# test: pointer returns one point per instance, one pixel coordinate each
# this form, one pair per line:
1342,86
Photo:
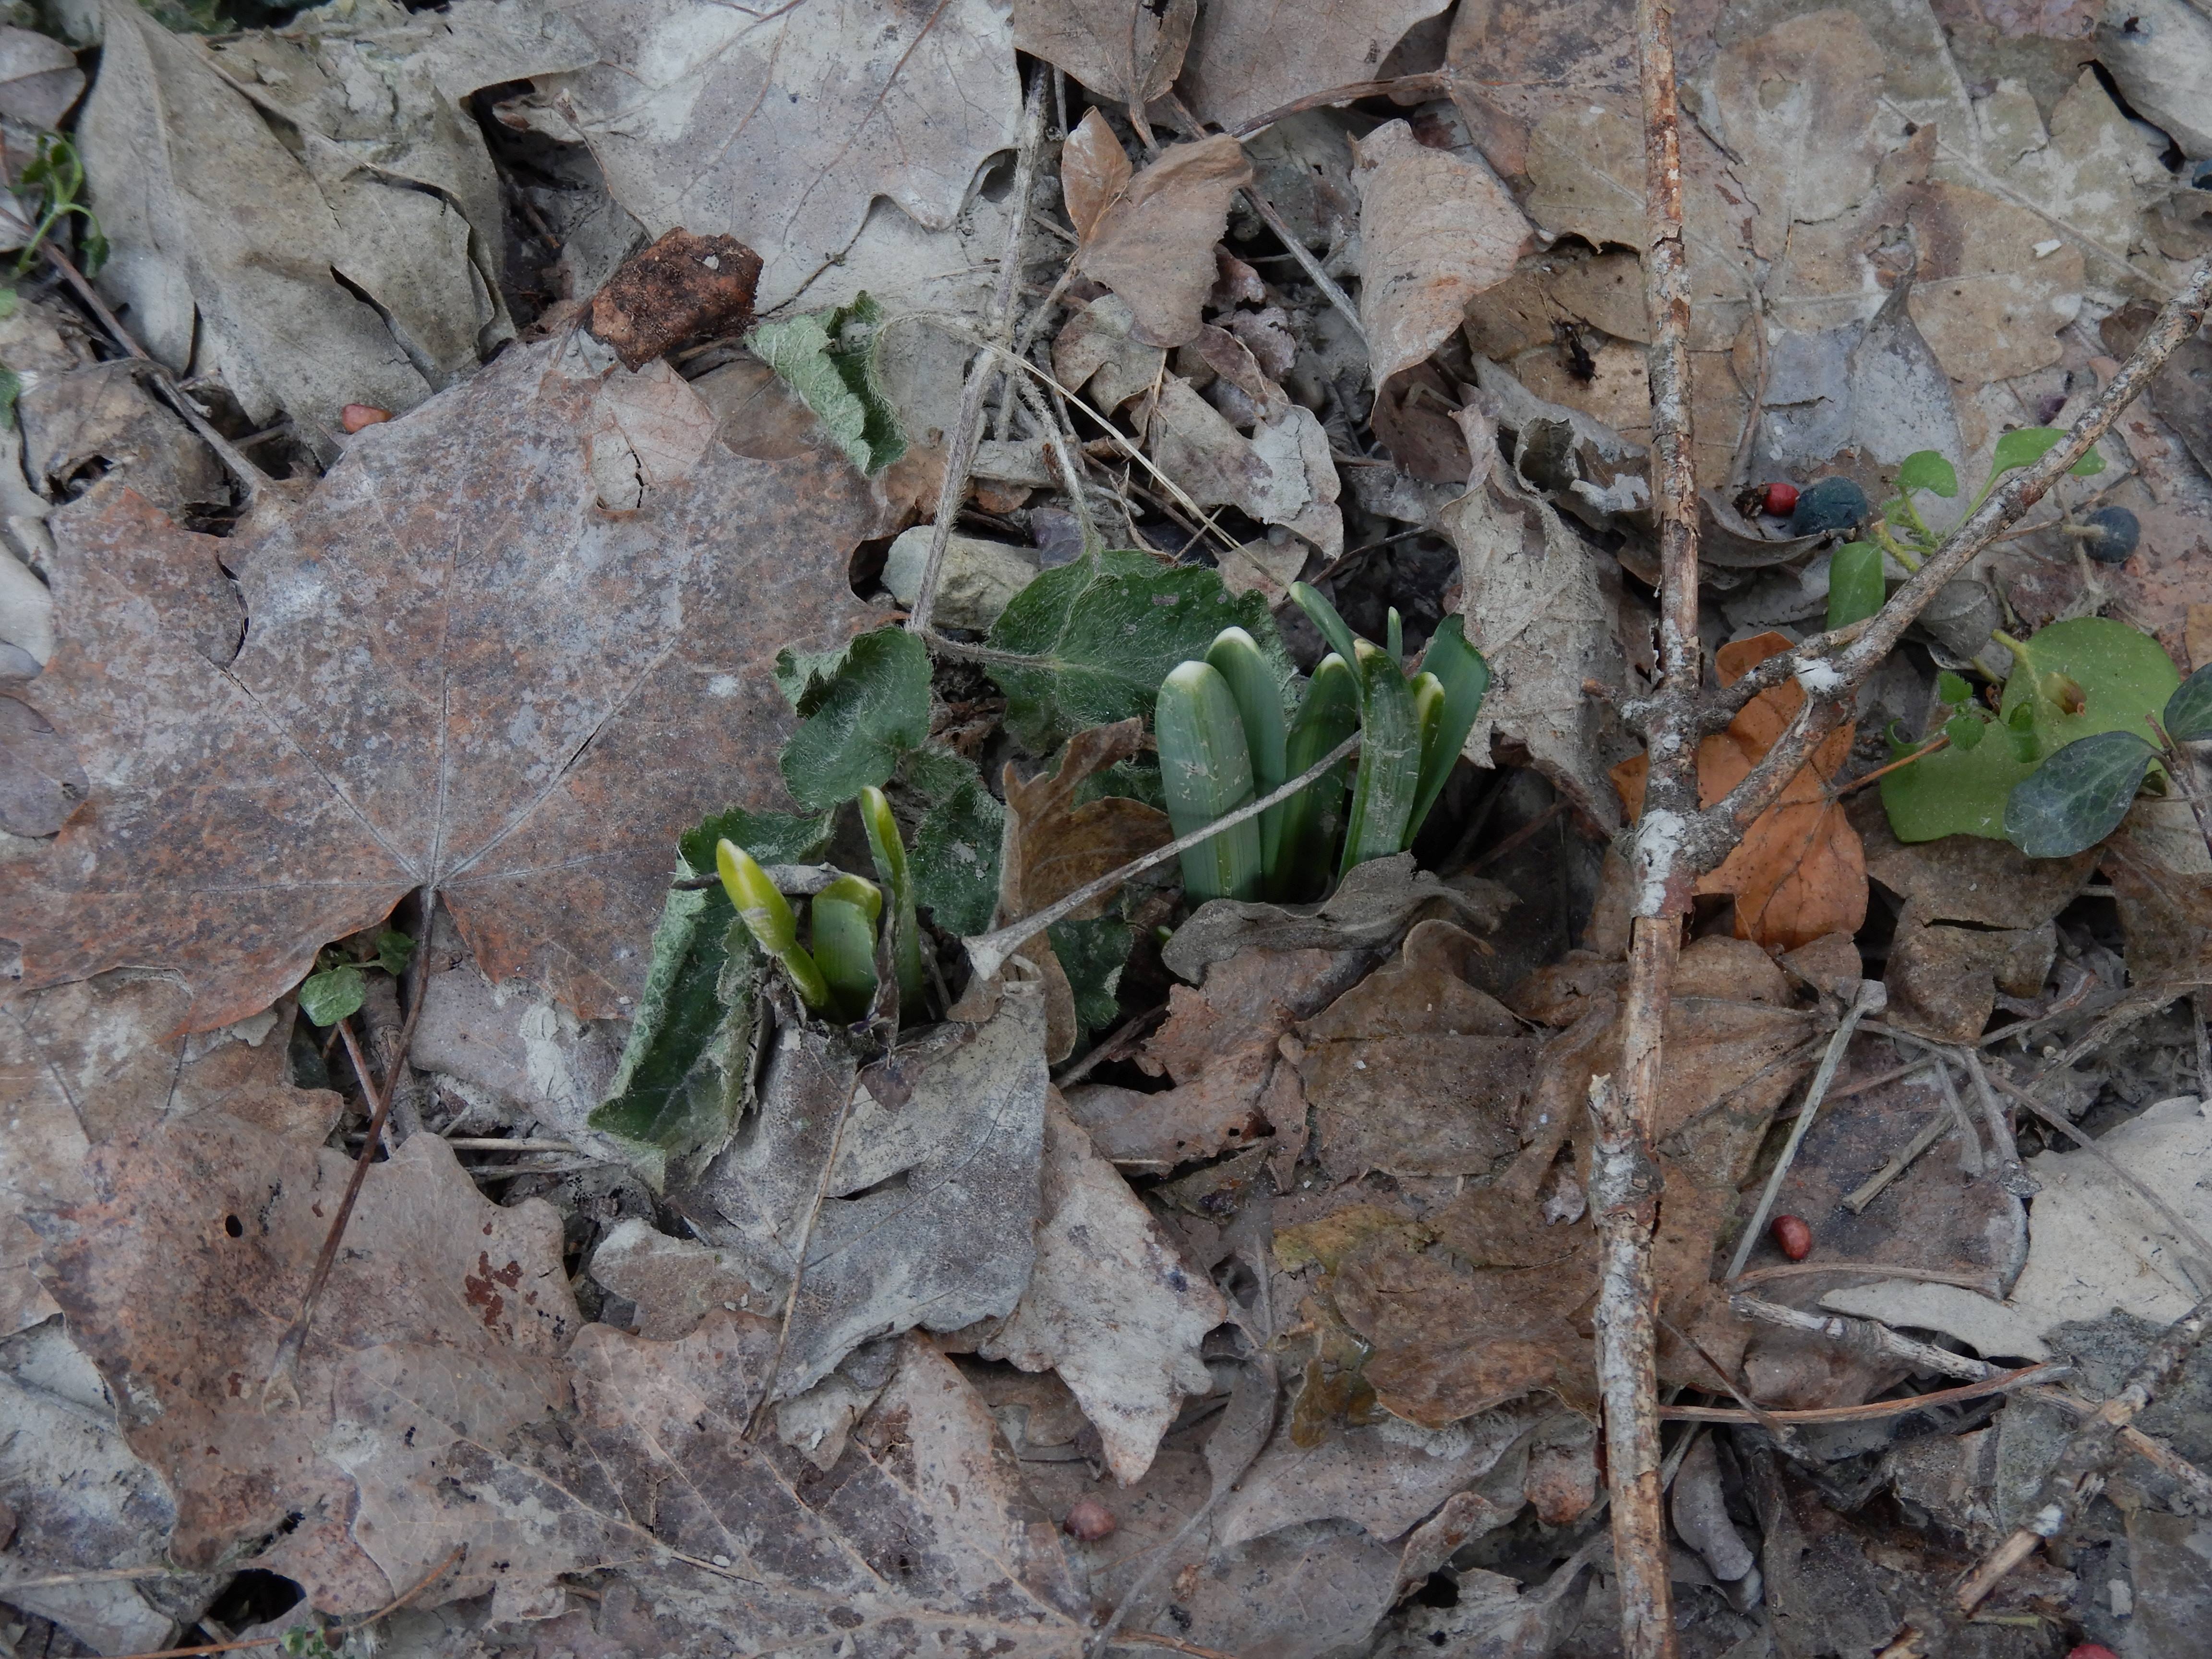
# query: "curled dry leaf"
1111,1304
462,673
1800,870
1094,169
183,1265
1283,474
1152,241
1129,55
780,128
38,78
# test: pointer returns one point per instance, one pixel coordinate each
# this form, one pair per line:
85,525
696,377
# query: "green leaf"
11,383
1104,633
679,1090
842,938
829,358
2122,675
955,859
2077,797
1328,714
1954,689
803,676
1389,775
1964,731
1325,617
328,997
1856,589
888,853
1092,955
2188,717
1206,767
2030,444
1466,679
1926,469
394,950
858,719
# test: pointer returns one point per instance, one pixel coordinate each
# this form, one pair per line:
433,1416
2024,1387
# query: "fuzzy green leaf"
2077,797
1104,632
1953,689
1856,589
2188,717
956,858
2122,675
829,358
330,996
1926,469
1092,955
859,719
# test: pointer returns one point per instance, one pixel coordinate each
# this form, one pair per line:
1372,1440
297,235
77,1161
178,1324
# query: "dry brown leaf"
184,1265
1153,243
1094,169
1989,305
2162,876
1111,1304
1800,870
462,672
1943,982
1435,230
1129,54
1415,1072
1098,342
1248,57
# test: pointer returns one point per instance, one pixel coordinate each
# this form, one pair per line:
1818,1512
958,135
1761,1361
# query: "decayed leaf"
1435,230
1153,240
1094,169
1990,306
1099,341
1129,57
1111,1304
1283,474
779,127
182,1268
38,78
2162,877
922,1539
928,1213
1800,870
1248,57
521,702
238,255
1535,601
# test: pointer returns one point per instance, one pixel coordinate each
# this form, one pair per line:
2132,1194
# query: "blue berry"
1827,505
2117,534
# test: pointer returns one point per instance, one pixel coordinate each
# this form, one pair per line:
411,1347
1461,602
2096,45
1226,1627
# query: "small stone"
979,578
1089,1520
354,416
1792,1236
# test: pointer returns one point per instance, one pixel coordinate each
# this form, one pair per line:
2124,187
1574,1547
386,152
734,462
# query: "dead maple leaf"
1151,238
462,671
181,1269
1800,870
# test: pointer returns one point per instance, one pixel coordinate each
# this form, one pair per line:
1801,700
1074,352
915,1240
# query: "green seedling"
889,853
1328,714
2079,795
1900,530
768,917
842,920
53,181
1206,770
1235,654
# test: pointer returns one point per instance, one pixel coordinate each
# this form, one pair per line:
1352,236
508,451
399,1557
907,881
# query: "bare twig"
1876,1183
1870,998
1403,86
1998,1382
284,1369
982,370
1298,250
987,952
2081,1470
1984,1283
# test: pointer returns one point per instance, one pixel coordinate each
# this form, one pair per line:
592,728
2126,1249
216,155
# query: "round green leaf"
1926,469
1952,688
1856,590
2188,717
1964,731
2077,797
328,997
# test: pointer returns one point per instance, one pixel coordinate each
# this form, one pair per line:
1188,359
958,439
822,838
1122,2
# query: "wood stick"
2000,1383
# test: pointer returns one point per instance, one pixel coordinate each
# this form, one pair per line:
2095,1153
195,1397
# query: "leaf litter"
1225,1271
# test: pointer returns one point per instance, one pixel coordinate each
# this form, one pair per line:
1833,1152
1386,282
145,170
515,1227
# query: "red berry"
1089,1520
1793,1236
2091,1650
1781,499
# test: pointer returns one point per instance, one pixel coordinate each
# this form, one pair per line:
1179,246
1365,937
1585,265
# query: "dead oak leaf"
1131,54
462,671
1152,241
1800,870
184,1265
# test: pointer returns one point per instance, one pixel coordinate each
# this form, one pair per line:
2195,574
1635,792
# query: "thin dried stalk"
982,371
1625,1174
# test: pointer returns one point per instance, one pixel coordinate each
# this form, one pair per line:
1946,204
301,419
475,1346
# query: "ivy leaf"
2122,675
1104,632
858,719
679,1087
2077,797
394,950
2188,717
2030,444
328,996
1856,588
1953,689
829,358
1926,469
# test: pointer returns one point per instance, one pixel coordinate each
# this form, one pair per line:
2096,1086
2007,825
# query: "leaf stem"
1942,740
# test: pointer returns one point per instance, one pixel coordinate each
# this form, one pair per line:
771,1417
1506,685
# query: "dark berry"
1089,1520
1828,504
2115,534
1780,499
1792,1236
